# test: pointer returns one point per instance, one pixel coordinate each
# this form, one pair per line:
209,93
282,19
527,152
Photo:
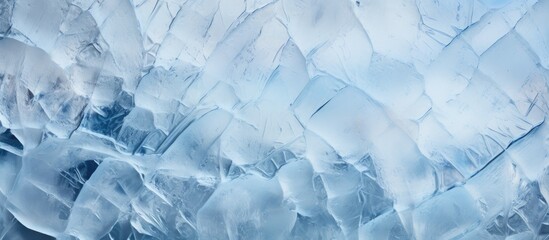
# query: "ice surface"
274,119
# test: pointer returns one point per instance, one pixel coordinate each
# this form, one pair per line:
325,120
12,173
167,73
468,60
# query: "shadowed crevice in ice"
75,177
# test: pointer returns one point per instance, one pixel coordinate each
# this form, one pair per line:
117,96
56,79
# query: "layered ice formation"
274,119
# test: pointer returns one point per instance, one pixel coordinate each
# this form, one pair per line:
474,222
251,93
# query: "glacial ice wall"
274,119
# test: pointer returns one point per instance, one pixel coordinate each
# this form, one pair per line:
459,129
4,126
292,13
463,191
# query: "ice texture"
274,119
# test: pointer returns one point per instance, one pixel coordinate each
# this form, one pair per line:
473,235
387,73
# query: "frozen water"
274,119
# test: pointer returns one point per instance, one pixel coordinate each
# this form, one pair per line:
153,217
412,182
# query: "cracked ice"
274,119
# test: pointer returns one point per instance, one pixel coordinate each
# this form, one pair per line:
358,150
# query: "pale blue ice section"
274,119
